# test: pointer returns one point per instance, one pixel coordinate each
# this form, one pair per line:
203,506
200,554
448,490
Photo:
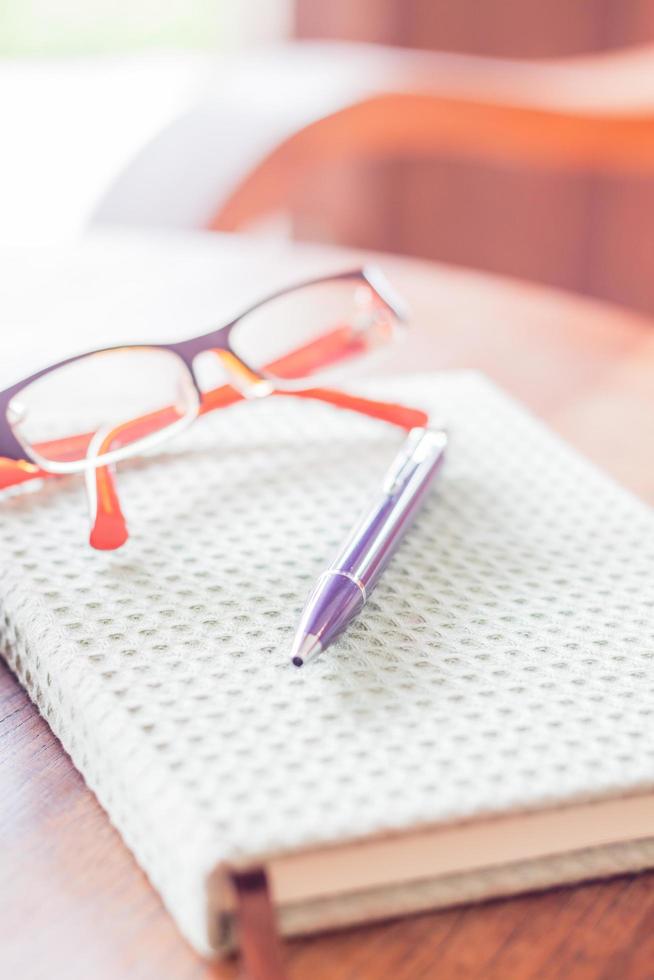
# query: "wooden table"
73,903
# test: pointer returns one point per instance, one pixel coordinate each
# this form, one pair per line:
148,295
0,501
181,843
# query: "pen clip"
421,444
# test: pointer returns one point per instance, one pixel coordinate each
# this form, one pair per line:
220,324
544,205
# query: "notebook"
485,726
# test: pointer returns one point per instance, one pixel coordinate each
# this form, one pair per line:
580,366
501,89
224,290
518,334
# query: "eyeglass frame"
11,448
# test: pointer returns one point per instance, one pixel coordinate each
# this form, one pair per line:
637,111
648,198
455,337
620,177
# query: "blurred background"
150,114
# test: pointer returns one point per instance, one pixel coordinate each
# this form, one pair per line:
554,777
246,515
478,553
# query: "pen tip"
305,648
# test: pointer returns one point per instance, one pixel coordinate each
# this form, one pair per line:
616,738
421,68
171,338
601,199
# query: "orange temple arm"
109,529
333,346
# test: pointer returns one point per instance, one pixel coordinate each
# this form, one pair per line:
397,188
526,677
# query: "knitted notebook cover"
504,664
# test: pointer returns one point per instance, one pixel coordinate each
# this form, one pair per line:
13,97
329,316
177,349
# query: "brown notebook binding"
257,928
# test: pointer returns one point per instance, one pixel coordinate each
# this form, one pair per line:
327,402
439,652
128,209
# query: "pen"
343,589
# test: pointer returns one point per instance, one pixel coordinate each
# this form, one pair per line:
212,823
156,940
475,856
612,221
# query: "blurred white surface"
70,126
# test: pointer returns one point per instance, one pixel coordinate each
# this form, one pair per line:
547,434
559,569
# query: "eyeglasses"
88,412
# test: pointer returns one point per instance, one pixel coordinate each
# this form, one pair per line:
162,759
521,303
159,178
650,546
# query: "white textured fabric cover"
505,661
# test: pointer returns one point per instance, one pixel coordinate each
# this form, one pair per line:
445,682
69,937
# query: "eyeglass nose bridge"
244,379
247,382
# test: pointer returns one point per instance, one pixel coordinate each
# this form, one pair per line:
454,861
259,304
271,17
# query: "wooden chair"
272,122
584,112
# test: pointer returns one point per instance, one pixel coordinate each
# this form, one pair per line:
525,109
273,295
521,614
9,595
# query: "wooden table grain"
73,904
